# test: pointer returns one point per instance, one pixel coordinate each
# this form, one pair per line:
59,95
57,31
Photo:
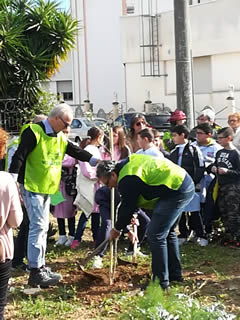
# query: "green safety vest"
44,163
13,143
153,172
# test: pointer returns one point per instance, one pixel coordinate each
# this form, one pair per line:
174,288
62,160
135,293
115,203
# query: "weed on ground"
212,276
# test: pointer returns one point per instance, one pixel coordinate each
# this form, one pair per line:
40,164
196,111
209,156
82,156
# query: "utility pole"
183,59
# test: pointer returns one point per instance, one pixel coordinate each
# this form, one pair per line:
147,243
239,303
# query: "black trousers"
20,244
195,223
71,226
4,277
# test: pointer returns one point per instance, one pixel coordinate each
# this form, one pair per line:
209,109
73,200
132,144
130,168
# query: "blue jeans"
95,221
37,206
166,265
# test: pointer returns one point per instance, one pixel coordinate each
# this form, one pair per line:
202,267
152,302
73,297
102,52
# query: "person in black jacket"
190,158
227,169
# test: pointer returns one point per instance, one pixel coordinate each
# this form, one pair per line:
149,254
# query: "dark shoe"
51,274
19,267
180,279
41,278
51,231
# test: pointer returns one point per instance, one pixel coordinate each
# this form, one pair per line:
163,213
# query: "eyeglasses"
65,123
233,120
220,138
140,123
199,133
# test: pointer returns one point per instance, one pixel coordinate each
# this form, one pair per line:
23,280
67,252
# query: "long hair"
93,133
134,120
121,142
3,142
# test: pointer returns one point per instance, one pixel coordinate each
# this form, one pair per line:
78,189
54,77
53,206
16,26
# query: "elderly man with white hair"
207,115
36,165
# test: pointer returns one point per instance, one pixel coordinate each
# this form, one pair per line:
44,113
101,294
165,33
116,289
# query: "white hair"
208,113
60,110
39,117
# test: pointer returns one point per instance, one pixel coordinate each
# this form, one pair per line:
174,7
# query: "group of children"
209,162
206,160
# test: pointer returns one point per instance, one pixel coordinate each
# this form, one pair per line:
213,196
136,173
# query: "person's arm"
80,154
198,165
233,173
26,145
15,213
88,171
129,189
68,161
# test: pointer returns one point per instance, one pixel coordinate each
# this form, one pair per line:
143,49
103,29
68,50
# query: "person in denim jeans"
36,165
150,183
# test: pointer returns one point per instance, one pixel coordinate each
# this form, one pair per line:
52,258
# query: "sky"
64,4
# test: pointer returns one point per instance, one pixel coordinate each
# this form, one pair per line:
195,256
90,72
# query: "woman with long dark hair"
138,122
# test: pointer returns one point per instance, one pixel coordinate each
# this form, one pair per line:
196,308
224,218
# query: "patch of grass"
44,308
157,304
219,266
204,258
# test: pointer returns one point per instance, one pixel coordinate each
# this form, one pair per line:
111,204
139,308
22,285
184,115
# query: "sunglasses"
65,123
138,124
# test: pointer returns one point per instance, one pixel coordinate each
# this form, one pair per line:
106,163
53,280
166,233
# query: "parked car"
100,122
157,121
79,128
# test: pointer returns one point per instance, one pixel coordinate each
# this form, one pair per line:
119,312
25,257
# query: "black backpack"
70,180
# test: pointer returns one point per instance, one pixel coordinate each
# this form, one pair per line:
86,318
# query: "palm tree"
35,36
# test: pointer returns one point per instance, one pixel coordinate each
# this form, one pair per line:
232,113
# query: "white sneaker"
97,262
69,241
61,240
193,237
181,241
139,253
202,242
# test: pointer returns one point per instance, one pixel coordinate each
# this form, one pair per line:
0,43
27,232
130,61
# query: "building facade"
126,51
148,52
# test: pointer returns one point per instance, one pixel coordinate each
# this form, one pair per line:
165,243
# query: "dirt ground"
93,285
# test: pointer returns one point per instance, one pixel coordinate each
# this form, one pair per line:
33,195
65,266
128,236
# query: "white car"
79,128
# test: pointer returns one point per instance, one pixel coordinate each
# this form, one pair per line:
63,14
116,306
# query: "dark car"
157,121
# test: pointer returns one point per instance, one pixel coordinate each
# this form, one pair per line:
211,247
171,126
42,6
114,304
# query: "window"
67,96
130,9
76,124
202,74
65,89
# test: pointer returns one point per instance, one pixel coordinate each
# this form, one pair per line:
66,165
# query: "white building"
98,73
215,29
113,53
